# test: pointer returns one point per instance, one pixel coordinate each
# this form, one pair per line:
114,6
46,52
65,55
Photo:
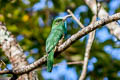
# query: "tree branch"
68,63
69,42
14,53
114,27
6,72
79,23
87,51
89,44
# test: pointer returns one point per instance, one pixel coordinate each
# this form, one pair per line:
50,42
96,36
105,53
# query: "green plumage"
57,32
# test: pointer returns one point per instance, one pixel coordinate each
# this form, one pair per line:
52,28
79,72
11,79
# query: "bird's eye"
57,22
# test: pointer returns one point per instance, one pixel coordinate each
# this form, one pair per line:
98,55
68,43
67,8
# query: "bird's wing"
53,40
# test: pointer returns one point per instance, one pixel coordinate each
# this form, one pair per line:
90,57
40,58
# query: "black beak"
65,17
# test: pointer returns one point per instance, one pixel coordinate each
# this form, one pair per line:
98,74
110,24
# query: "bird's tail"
50,61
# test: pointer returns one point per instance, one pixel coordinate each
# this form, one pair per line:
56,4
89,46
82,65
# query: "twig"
80,24
68,63
98,7
69,42
87,51
6,72
89,44
75,62
71,63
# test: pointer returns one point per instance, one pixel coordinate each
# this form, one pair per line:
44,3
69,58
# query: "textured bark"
113,26
14,53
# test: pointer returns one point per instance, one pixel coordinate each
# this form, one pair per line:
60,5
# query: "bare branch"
98,8
68,63
75,62
6,72
89,44
80,24
113,26
14,52
87,51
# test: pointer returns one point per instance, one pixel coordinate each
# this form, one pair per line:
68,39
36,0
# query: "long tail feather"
50,61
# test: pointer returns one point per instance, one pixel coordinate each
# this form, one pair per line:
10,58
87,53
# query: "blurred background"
30,21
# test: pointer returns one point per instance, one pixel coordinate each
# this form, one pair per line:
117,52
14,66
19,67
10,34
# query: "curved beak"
65,17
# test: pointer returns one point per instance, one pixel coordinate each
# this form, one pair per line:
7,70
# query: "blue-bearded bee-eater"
55,38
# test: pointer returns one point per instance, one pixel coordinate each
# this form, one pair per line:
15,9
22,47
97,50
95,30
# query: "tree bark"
15,54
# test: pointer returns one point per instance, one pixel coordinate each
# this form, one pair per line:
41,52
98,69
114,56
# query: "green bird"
55,38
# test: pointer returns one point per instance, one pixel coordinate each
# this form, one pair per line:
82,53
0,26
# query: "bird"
55,38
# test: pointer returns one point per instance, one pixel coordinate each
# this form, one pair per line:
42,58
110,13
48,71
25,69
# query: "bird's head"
60,22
